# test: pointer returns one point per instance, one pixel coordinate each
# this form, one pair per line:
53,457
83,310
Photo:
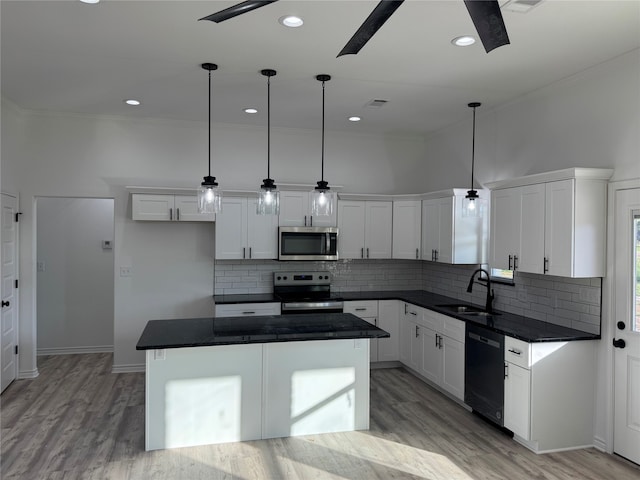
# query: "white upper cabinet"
407,229
167,208
243,234
448,236
365,229
295,211
551,223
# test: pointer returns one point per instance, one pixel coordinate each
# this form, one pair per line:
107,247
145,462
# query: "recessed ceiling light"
354,119
291,21
89,1
250,110
131,101
463,41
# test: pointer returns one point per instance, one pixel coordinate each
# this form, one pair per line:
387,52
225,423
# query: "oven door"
308,243
298,308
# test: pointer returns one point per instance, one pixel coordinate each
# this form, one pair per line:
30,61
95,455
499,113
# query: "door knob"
621,325
5,304
619,343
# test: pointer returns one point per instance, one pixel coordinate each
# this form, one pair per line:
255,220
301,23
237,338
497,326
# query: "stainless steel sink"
463,309
481,314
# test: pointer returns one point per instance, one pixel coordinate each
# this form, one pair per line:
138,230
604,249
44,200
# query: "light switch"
125,271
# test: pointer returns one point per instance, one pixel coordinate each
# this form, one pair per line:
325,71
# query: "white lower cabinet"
383,314
247,309
410,342
549,393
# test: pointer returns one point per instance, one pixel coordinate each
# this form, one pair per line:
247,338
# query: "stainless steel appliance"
308,243
484,372
305,292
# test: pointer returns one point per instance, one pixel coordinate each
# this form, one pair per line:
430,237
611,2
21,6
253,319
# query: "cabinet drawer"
517,352
247,309
433,320
454,328
365,308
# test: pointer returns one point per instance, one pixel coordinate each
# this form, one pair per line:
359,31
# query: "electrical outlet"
125,271
41,266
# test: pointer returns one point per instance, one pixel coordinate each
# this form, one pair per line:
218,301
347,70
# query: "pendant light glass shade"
268,195
209,195
472,206
322,198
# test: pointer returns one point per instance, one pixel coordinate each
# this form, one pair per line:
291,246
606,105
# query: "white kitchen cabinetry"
407,229
368,311
247,309
553,223
383,314
548,394
167,208
448,236
295,211
365,229
410,340
243,234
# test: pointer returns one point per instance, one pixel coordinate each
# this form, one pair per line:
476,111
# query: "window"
502,276
636,270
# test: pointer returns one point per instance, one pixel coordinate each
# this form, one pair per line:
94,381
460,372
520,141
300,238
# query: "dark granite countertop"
517,326
200,332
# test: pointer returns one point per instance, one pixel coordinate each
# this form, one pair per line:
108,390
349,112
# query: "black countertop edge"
516,326
201,332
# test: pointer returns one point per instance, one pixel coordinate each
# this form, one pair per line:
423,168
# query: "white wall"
75,284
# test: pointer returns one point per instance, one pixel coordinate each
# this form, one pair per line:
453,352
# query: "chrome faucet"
490,294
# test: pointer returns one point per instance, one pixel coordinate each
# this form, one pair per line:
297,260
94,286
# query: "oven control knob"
279,278
284,278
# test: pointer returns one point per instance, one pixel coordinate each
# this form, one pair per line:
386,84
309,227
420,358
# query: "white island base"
230,393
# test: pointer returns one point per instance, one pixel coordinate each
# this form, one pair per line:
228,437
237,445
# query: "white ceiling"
72,57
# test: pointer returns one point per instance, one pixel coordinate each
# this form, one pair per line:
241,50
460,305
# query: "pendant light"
321,196
209,196
471,207
268,195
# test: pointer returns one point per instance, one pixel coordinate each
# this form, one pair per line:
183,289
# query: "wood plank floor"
79,421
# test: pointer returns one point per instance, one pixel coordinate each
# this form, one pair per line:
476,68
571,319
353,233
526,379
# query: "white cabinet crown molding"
603,174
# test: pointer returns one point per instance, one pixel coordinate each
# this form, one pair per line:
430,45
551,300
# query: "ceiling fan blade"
487,18
236,10
374,21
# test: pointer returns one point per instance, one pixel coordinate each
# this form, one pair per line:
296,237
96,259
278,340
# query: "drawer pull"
413,313
515,352
360,309
248,313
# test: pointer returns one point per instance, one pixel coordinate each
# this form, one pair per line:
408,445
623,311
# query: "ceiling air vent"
375,103
520,6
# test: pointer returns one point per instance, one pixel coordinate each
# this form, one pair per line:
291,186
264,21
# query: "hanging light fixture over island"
322,196
268,195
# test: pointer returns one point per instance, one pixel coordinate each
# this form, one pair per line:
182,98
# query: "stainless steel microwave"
308,243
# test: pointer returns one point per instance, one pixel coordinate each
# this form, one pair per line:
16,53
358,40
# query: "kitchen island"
215,380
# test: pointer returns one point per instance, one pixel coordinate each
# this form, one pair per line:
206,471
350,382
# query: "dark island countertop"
516,326
200,332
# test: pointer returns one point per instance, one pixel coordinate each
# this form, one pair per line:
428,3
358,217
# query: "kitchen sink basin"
463,309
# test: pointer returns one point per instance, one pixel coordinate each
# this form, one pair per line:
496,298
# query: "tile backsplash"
570,302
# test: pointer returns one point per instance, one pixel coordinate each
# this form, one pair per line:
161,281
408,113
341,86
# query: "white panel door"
351,228
231,229
378,229
9,311
262,233
532,208
187,210
559,228
626,440
505,227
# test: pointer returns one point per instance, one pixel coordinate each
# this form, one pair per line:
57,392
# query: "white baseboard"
26,374
131,368
75,350
600,444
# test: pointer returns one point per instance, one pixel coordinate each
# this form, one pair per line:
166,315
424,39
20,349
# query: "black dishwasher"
484,372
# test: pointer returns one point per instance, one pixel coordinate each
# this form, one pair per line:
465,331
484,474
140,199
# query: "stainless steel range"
305,292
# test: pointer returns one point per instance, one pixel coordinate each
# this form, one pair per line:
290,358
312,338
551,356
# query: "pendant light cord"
322,156
209,122
268,127
473,146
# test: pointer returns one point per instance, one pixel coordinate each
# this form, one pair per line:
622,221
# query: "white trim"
566,174
130,368
26,374
600,444
75,350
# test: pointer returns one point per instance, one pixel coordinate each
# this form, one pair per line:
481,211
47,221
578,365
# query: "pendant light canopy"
209,195
472,200
321,196
268,195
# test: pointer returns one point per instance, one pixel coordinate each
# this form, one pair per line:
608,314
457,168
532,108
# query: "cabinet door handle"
416,253
243,252
435,257
515,263
506,370
440,342
305,220
413,313
367,252
436,340
171,214
545,265
362,252
405,308
515,352
510,257
178,214
417,334
311,220
250,252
